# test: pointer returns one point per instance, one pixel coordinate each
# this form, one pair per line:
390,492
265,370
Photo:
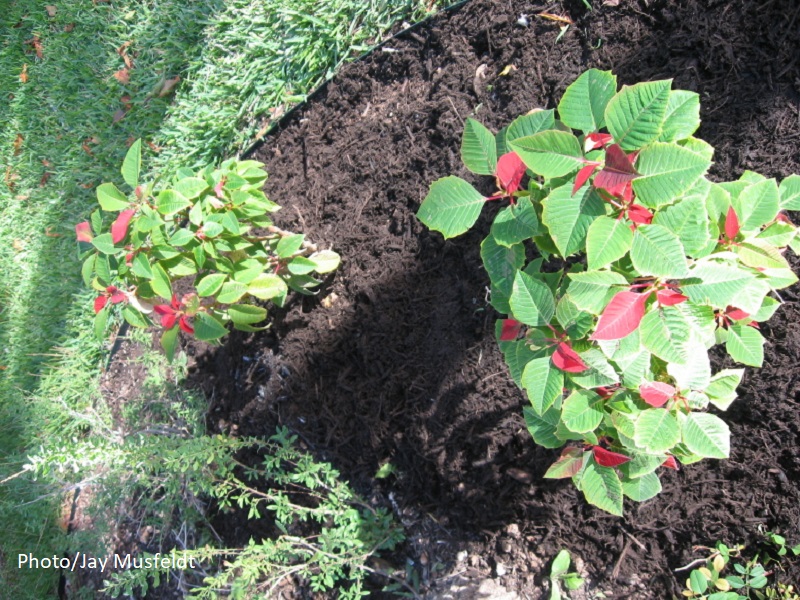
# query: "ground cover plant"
643,266
214,225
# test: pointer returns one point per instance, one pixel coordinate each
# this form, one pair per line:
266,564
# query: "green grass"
241,62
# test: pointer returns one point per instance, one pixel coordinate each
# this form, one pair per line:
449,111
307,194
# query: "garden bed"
396,361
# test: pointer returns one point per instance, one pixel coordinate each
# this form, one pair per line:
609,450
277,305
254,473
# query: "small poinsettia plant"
642,264
212,228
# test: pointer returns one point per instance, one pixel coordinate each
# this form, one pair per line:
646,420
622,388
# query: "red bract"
112,293
670,463
583,175
670,297
594,141
731,224
606,458
171,313
616,173
510,170
566,359
621,317
656,393
83,232
510,330
119,229
639,214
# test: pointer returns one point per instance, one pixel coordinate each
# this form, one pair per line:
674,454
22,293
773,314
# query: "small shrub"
643,265
213,225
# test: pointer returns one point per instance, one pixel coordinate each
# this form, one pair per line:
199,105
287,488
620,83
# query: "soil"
395,361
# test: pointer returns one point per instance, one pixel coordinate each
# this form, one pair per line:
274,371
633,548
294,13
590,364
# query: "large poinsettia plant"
643,265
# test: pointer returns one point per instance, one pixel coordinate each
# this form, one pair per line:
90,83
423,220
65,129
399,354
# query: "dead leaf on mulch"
556,18
611,2
51,10
122,51
36,43
18,144
23,76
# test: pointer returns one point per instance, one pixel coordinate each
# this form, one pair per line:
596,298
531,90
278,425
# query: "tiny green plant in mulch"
213,225
561,575
725,575
643,264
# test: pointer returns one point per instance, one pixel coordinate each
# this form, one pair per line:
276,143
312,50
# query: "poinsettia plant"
213,226
643,265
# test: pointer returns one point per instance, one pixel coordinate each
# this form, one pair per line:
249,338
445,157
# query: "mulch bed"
396,359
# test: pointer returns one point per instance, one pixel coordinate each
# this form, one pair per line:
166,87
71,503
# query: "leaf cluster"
214,226
661,265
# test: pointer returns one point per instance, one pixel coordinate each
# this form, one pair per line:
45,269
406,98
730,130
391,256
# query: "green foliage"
663,264
214,226
326,532
559,574
750,579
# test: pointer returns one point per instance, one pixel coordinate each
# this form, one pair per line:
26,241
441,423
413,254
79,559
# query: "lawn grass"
68,113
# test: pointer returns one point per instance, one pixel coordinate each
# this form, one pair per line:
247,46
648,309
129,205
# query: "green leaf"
745,345
501,263
543,383
246,314
161,283
696,372
289,244
231,291
697,146
170,202
592,290
756,205
759,254
267,286
110,198
523,126
210,284
87,269
722,389
180,265
790,193
657,251
543,427
656,430
300,265
101,323
582,411
135,318
190,187
715,284
551,153
515,223
568,217
326,261
601,487
576,323
132,164
706,435
584,102
640,464
451,207
531,300
642,488
666,172
169,341
634,116
105,244
478,149
688,220
600,372
778,234
567,465
208,328
682,117
181,237
607,240
560,564
665,332
517,354
698,582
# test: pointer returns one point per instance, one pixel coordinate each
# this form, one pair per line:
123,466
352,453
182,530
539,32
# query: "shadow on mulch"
396,359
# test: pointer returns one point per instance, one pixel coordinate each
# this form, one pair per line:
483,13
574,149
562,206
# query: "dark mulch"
396,360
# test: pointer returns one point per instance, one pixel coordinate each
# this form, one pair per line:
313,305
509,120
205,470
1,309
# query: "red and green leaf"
119,229
656,393
607,458
621,317
566,359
